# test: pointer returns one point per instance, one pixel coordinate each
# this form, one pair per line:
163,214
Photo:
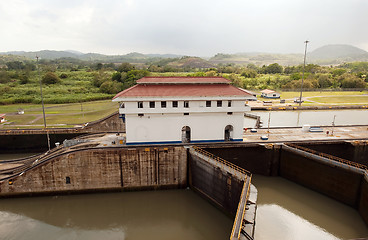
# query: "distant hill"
326,55
44,54
337,51
191,62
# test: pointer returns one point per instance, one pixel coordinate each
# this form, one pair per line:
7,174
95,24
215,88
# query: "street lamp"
43,106
301,87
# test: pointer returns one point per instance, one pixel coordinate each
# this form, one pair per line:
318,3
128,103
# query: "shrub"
50,78
63,75
110,87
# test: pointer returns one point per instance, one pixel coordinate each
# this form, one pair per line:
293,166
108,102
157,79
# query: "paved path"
297,134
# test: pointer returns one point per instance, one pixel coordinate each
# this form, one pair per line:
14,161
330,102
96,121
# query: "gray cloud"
193,27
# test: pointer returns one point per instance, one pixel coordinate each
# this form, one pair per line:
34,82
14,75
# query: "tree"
132,76
126,67
272,68
100,77
50,78
324,81
4,76
116,76
110,87
15,65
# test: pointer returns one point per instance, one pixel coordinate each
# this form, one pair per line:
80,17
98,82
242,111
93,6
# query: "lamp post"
301,87
43,106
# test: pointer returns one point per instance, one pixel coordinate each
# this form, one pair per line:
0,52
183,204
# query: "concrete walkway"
297,134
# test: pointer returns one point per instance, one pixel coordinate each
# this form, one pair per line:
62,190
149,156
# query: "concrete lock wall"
356,151
336,182
363,201
102,170
111,123
216,185
258,159
31,142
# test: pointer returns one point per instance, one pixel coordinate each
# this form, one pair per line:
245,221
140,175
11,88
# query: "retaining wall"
31,142
335,181
258,159
356,151
102,170
215,184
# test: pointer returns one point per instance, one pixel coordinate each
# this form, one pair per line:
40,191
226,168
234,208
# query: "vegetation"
70,80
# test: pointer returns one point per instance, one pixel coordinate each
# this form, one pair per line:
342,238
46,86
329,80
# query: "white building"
269,94
183,109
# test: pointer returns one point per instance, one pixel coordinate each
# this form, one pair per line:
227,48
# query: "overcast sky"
189,27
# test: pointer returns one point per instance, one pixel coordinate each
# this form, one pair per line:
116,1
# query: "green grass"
286,95
65,115
342,99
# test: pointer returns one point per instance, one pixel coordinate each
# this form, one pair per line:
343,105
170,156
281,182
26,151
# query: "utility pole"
43,106
301,87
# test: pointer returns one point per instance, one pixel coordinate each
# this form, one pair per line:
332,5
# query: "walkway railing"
325,155
223,161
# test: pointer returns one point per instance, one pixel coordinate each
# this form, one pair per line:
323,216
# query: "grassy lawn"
286,95
64,115
342,99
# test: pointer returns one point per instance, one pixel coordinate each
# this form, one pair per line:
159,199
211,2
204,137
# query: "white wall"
168,127
194,106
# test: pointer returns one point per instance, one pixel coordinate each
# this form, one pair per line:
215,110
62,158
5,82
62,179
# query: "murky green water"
171,214
289,211
285,211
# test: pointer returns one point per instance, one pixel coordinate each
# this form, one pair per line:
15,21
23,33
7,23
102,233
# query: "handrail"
223,161
325,155
235,233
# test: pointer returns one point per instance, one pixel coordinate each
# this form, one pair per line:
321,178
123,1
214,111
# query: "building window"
219,103
140,104
140,114
186,114
175,104
122,105
229,113
208,103
67,180
229,103
152,104
163,104
186,104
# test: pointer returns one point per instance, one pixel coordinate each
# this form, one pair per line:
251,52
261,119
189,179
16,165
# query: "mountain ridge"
328,54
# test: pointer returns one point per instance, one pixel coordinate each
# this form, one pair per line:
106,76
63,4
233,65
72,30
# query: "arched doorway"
228,133
185,134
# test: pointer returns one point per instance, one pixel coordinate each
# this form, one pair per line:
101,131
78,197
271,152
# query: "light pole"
301,87
43,106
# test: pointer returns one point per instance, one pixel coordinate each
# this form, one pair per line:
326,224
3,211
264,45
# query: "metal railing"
239,217
223,161
325,155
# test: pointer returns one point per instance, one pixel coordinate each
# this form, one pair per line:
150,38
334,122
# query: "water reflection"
290,211
174,214
315,118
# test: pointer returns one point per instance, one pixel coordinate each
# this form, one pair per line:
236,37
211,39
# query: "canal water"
285,211
299,118
289,211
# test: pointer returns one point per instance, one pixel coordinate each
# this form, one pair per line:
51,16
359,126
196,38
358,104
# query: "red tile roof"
183,80
267,91
181,90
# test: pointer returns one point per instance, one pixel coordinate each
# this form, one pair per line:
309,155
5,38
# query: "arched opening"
228,133
185,134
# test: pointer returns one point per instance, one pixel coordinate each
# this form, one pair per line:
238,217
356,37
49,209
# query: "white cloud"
193,27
